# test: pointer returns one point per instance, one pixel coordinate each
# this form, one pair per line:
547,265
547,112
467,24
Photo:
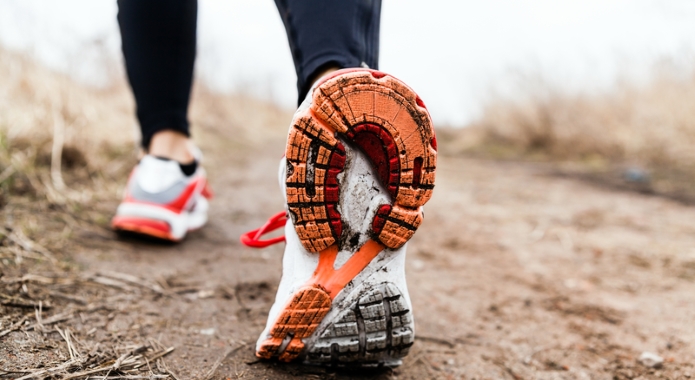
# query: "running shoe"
359,165
161,201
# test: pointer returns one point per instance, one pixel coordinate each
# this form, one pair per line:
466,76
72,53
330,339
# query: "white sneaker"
360,163
161,201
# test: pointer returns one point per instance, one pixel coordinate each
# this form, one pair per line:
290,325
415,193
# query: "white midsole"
179,223
358,204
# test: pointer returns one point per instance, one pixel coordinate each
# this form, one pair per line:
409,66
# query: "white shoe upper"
361,194
157,184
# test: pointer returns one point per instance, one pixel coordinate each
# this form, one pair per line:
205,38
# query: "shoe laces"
253,238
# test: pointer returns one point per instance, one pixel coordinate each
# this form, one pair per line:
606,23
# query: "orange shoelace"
253,238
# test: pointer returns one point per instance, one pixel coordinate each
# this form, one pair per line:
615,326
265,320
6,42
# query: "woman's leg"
159,42
166,195
327,35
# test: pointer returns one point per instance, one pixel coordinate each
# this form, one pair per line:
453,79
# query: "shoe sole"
141,226
375,330
158,222
389,122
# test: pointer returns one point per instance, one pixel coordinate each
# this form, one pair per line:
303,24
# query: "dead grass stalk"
650,124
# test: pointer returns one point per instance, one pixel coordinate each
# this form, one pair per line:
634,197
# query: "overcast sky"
454,53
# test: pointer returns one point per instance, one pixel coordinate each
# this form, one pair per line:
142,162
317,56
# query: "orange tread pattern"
400,226
298,320
334,280
312,189
358,103
154,228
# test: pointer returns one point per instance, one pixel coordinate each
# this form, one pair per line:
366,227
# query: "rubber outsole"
159,222
298,320
390,124
372,331
143,226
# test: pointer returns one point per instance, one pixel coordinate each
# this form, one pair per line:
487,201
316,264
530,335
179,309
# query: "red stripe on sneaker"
179,204
182,201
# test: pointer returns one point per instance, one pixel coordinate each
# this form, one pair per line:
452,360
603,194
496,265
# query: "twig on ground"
167,370
125,356
51,320
15,326
133,280
67,297
421,358
219,361
211,372
30,278
18,302
107,373
161,367
50,371
4,372
437,340
22,253
88,372
27,244
162,353
129,361
67,336
129,377
39,325
109,282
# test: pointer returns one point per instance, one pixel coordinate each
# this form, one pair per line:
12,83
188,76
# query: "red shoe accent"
180,203
380,218
252,238
207,191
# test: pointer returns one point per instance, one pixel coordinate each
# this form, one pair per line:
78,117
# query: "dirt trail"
514,274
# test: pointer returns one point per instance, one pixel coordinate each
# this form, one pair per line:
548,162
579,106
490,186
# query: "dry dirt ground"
515,274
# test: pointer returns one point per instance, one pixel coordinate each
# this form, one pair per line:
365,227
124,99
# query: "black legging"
159,43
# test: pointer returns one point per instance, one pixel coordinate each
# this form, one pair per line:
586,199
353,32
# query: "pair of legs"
159,46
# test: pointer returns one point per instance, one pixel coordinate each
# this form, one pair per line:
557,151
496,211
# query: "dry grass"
58,144
55,134
651,124
68,142
636,137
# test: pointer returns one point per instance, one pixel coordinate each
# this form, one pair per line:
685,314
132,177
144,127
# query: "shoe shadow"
334,373
137,238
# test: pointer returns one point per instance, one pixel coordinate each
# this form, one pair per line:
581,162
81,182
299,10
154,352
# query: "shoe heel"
376,330
390,124
298,320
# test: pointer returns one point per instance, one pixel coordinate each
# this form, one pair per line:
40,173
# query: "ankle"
320,74
172,145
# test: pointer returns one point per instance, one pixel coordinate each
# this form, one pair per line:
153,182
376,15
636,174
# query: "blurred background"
604,85
457,54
